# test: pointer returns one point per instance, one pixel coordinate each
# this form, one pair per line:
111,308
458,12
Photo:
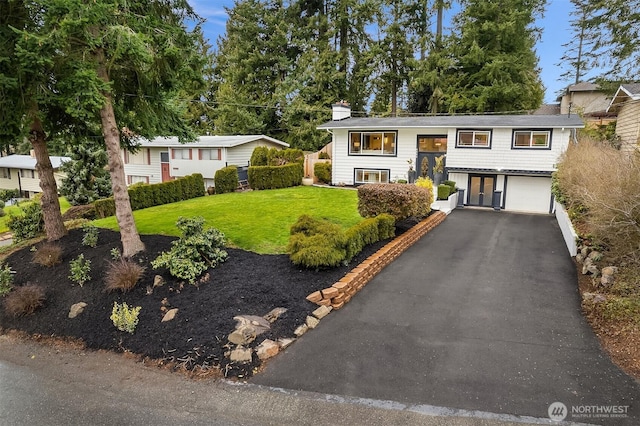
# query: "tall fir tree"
86,176
580,55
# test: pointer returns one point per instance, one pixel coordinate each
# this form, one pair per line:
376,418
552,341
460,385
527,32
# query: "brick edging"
342,291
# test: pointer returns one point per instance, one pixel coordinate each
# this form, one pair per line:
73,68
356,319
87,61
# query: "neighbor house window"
531,138
181,154
5,173
473,139
372,143
137,179
210,154
142,157
28,173
371,176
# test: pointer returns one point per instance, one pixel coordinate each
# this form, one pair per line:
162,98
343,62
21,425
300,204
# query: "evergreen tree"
496,68
86,176
122,67
580,55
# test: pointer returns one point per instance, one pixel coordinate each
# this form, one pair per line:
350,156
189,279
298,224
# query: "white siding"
152,171
10,183
502,157
628,125
528,194
207,168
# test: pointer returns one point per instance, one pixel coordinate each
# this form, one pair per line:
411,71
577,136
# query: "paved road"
482,314
43,385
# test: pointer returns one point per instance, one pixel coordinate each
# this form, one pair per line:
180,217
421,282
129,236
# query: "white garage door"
528,194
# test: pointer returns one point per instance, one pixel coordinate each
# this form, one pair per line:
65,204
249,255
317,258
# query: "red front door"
166,175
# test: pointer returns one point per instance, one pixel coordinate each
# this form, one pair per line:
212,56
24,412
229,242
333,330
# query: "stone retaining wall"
341,292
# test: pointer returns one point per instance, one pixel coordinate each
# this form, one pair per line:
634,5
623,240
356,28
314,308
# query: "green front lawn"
258,221
16,210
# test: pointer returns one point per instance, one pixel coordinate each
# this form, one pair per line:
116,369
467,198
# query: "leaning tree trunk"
131,243
53,224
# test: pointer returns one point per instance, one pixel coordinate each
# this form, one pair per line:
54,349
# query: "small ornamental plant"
6,279
80,270
90,237
125,318
115,253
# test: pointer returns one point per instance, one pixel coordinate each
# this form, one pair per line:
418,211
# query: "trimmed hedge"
398,200
144,196
443,191
260,156
275,177
323,172
280,157
316,243
452,185
226,179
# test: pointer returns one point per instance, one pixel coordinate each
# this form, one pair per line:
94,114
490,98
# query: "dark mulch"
247,283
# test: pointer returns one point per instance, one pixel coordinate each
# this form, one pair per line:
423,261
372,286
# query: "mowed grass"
257,221
17,211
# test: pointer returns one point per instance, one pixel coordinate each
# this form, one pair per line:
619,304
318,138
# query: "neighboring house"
589,101
626,104
512,154
163,159
19,172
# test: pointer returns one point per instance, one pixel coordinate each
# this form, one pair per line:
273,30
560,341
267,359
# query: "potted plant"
438,169
411,174
307,180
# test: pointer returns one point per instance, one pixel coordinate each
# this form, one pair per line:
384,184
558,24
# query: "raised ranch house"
163,159
626,103
19,172
503,161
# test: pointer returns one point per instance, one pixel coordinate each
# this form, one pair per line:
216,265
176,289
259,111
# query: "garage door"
528,194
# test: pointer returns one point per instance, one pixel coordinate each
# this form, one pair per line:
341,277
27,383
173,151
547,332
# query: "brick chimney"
341,110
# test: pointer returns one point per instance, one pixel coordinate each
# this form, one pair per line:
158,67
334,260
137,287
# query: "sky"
555,32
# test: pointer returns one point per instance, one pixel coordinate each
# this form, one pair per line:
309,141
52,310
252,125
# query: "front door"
481,189
429,147
165,166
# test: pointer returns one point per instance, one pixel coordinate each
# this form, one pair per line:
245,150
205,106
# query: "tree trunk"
131,243
53,224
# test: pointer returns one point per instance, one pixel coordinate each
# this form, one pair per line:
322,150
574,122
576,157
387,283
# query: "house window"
5,173
372,143
28,173
181,154
142,157
210,154
371,176
473,139
137,179
531,139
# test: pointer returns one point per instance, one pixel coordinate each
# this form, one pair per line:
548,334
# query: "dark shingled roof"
459,121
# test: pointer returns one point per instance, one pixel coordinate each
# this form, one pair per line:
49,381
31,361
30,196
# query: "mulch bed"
247,283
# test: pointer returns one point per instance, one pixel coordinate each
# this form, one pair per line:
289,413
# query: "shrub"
24,300
29,224
87,178
386,226
425,182
48,254
86,211
6,279
123,275
443,191
7,194
125,318
452,185
280,157
115,253
400,201
323,155
323,172
2,213
105,207
275,177
260,156
316,243
90,237
197,250
80,270
226,179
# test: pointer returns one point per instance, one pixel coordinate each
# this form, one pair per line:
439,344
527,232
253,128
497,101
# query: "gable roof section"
459,121
27,162
625,93
209,141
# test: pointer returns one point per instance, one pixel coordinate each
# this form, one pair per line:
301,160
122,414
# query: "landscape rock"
595,256
258,323
241,355
584,251
586,296
301,330
77,309
322,311
579,257
609,270
312,322
607,275
599,298
243,335
274,314
171,314
285,342
589,268
158,281
267,349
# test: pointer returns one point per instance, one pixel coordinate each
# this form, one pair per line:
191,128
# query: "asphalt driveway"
483,313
